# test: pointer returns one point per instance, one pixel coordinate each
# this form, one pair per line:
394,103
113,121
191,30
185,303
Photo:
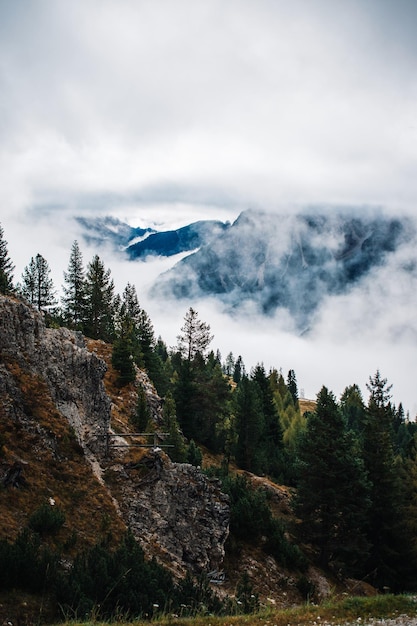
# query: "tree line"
352,462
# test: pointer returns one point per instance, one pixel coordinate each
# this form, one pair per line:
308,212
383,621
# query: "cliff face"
54,418
179,516
58,358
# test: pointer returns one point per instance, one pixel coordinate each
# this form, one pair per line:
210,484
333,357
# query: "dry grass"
352,610
124,399
42,442
307,405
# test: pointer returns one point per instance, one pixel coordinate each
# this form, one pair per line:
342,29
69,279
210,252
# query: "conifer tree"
122,357
74,291
6,266
271,442
142,338
249,425
333,492
239,370
387,553
99,301
195,336
229,364
178,451
142,414
292,386
37,285
353,407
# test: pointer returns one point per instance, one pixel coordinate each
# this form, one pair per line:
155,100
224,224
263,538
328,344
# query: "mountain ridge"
287,263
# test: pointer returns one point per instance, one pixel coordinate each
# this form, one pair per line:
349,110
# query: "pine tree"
74,298
229,365
143,342
122,358
194,454
239,370
333,492
6,266
37,285
292,386
353,407
212,402
99,323
146,339
387,554
178,451
184,394
270,442
249,426
195,336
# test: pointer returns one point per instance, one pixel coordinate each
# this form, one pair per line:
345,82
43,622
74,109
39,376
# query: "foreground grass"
331,612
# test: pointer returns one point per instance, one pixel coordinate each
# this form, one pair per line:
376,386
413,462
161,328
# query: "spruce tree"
292,386
387,555
99,323
249,426
195,336
333,492
353,407
6,266
122,357
239,370
271,442
37,285
74,291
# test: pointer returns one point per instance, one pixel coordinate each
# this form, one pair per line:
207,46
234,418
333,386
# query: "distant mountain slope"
99,230
142,242
182,239
286,261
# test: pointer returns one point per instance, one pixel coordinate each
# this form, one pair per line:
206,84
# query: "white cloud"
166,112
273,101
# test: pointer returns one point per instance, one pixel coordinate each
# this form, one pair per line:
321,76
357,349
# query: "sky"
162,112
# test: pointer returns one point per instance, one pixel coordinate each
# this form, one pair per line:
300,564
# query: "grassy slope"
348,610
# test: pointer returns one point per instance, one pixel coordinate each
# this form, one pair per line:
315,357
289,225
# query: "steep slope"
55,420
54,417
99,231
142,242
287,262
173,242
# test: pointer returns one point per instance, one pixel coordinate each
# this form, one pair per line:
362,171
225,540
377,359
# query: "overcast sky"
163,111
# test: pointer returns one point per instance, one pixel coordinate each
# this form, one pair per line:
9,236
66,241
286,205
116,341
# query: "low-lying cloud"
166,112
373,325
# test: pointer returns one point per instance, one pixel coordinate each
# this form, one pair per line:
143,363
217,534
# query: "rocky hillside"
55,418
65,442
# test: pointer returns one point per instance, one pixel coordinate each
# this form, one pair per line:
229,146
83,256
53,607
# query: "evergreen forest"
351,463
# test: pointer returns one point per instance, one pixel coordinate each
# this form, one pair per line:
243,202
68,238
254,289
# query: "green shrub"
251,518
247,599
47,519
108,584
194,454
25,564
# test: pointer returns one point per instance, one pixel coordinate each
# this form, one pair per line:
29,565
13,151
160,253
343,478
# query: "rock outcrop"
59,358
176,512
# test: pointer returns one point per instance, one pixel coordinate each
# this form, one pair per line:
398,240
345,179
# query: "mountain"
183,239
100,230
142,242
287,262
